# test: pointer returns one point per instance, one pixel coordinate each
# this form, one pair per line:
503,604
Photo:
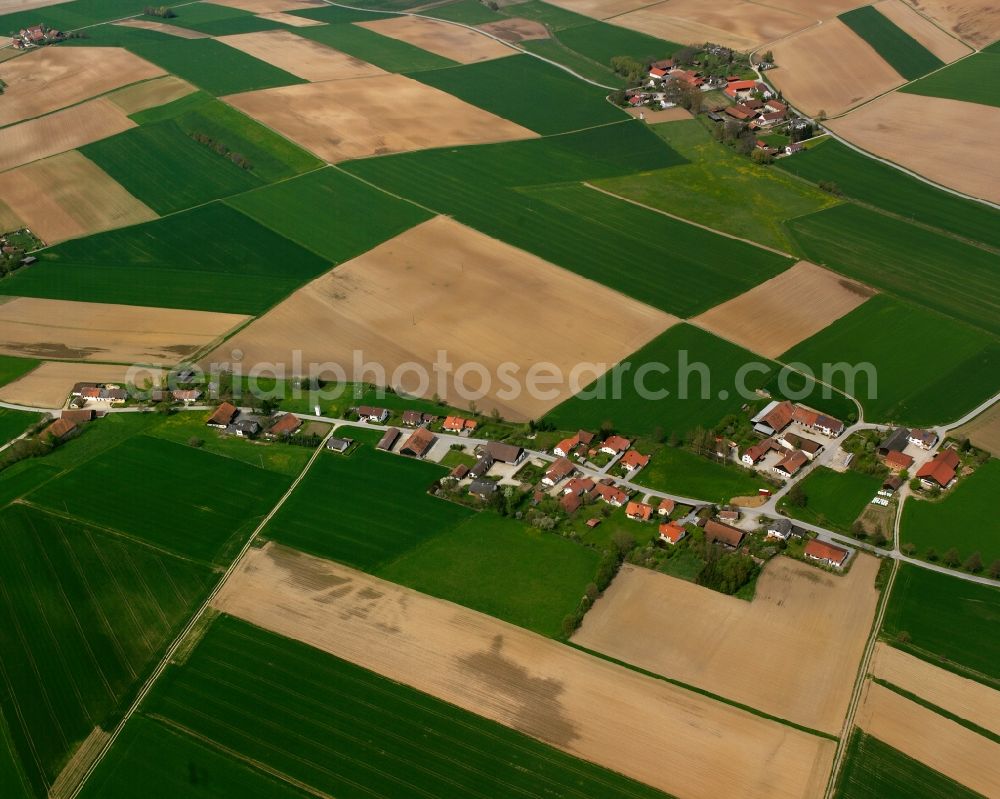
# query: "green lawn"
972,79
527,91
678,471
83,614
869,181
721,189
904,53
949,622
13,423
874,770
208,258
960,520
899,341
503,568
12,368
364,509
330,213
833,499
920,265
171,495
339,730
392,55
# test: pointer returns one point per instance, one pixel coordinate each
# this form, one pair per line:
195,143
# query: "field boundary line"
192,622
919,700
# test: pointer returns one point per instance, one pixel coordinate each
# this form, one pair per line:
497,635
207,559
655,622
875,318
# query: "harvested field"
818,9
441,38
269,6
162,27
55,77
516,29
68,195
937,742
581,704
851,70
763,653
675,114
49,385
966,698
8,219
975,21
291,20
944,46
150,94
739,24
983,431
396,304
600,9
61,131
303,58
346,119
778,314
948,141
85,331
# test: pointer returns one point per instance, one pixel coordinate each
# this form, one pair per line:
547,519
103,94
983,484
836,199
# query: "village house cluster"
36,36
784,426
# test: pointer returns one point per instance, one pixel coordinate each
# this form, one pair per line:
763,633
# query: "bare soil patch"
446,40
443,286
68,195
48,386
355,118
290,19
51,78
818,9
983,431
269,6
939,42
949,141
830,68
516,30
976,21
64,130
163,27
301,57
749,502
662,115
601,9
641,727
8,219
776,315
935,741
805,628
965,698
150,93
97,331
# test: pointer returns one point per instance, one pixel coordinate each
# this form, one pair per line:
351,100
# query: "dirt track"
678,741
805,628
446,40
301,57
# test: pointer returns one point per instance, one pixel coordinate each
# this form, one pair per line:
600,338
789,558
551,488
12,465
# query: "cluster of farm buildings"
36,36
785,427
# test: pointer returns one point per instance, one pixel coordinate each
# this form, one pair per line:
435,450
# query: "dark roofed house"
925,439
896,440
244,428
419,443
459,472
340,445
719,533
892,483
826,553
504,453
388,441
223,416
417,418
484,489
784,529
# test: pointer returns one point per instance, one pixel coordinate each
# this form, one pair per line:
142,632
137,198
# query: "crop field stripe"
972,79
904,53
969,725
392,55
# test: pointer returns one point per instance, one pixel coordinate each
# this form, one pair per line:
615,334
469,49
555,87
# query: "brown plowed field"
932,739
949,141
804,628
64,130
446,40
670,738
68,195
830,68
301,57
163,27
983,431
443,286
355,118
776,315
97,331
51,78
48,385
975,21
939,42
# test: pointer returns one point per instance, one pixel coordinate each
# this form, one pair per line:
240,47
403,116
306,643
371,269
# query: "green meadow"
13,423
972,80
904,53
392,55
834,499
468,12
12,368
678,471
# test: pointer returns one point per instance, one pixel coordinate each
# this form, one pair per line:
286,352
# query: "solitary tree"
908,549
796,497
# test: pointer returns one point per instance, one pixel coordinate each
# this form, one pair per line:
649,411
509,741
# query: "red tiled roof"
634,460
639,510
667,506
617,443
570,503
821,550
717,531
579,485
758,451
288,423
455,424
560,469
792,462
672,531
780,416
223,414
898,460
60,428
941,468
419,443
610,493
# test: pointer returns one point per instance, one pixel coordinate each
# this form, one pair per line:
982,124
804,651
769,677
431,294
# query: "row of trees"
221,149
164,12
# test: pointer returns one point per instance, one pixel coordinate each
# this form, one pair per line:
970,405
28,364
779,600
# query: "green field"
920,265
678,471
869,181
217,20
601,42
899,341
904,53
364,509
553,17
949,622
330,213
527,91
173,496
70,15
208,258
833,499
339,730
554,50
972,79
83,614
13,423
468,12
392,55
503,568
721,189
960,520
167,169
12,368
874,770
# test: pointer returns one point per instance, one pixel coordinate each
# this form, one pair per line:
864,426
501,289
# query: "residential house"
579,486
417,418
615,445
719,533
570,503
504,453
807,445
794,147
896,440
784,529
481,467
367,413
639,511
340,445
826,553
286,425
633,460
610,493
791,464
419,443
388,440
244,428
814,420
458,424
925,439
573,443
940,470
671,532
558,472
729,515
754,454
188,396
223,416
898,461
666,507
459,472
484,489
